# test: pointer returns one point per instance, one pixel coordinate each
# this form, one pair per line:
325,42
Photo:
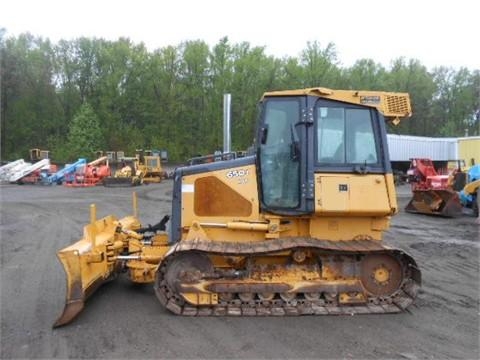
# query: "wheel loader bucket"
87,265
435,202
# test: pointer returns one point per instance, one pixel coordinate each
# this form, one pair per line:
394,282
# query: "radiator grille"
397,105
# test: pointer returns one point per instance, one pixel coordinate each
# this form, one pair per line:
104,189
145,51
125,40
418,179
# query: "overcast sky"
437,32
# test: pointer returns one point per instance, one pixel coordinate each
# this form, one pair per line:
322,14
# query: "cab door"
282,156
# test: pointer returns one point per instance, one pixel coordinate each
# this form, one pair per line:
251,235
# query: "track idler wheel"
381,274
188,268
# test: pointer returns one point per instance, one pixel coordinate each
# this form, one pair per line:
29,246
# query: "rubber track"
400,300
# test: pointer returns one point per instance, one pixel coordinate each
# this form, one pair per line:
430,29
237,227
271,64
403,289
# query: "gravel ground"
124,320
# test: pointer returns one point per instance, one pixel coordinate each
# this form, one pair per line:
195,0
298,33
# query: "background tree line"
76,97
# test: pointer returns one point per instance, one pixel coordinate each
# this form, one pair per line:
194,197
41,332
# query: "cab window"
345,136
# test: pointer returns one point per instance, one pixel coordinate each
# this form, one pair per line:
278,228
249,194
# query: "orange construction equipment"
433,194
91,174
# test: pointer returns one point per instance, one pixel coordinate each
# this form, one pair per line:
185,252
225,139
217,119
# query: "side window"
331,135
345,136
361,148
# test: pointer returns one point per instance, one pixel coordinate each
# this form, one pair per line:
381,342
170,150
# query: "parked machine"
145,167
22,172
470,194
91,174
38,175
126,173
433,194
150,165
295,229
28,170
37,154
7,170
59,176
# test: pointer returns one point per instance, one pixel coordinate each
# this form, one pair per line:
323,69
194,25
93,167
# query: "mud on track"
123,320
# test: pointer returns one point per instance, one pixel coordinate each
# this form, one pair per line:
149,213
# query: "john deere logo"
370,100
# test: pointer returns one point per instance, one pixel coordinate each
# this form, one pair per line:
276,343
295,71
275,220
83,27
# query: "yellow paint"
471,188
381,275
393,106
151,168
349,298
141,271
223,205
469,150
347,206
92,260
201,298
349,194
242,180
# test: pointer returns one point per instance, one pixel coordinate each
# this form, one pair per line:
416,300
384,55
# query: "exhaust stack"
227,112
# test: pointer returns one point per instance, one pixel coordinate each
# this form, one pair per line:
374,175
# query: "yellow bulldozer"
144,168
294,229
150,165
126,173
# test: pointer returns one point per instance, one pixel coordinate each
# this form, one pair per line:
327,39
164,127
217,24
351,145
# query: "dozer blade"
75,298
122,181
88,263
435,202
117,182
